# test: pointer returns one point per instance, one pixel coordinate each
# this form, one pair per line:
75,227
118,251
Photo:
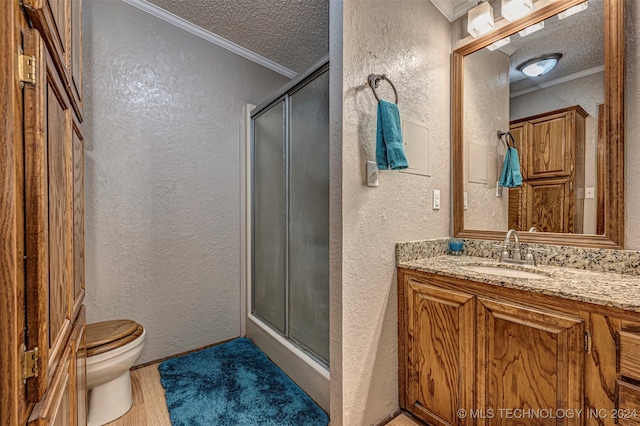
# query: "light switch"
465,200
436,199
372,173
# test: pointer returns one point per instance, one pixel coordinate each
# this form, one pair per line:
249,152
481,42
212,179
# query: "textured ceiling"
292,33
580,39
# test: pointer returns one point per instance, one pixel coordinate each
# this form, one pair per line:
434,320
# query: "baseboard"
178,355
302,369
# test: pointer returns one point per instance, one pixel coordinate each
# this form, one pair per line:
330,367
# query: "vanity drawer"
630,354
628,412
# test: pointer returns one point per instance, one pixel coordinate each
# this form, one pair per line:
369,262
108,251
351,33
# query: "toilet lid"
108,333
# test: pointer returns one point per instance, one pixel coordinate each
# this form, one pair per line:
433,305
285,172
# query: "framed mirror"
566,126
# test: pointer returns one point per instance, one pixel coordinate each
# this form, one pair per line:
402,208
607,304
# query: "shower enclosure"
290,213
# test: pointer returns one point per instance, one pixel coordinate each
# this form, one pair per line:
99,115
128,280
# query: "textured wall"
632,125
486,100
162,219
410,42
587,92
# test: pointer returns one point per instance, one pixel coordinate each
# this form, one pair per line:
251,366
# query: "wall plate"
372,173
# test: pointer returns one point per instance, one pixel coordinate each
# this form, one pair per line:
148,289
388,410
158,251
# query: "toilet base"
111,400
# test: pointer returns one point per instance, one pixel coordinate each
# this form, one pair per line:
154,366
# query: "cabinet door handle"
587,342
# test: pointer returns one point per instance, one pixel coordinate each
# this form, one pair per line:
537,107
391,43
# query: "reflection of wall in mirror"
486,110
587,92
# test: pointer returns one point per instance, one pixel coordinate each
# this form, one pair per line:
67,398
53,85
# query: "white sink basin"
504,272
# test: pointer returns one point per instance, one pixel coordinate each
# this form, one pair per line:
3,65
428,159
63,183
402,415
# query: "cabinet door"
548,146
528,359
440,330
548,205
48,212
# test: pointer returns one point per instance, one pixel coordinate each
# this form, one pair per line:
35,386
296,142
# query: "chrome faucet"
516,255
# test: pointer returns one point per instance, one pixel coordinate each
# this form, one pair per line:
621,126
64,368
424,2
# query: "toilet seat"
108,335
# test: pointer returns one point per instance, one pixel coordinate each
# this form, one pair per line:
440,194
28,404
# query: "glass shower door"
269,221
290,275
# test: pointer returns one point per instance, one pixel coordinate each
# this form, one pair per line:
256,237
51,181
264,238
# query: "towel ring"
510,137
374,80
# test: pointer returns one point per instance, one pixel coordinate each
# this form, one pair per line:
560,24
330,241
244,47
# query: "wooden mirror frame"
613,174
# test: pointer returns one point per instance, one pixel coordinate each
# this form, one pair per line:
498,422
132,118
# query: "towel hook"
374,80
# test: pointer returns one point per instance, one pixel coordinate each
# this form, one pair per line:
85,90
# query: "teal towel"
389,147
511,176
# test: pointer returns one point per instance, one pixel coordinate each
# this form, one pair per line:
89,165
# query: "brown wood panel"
548,147
76,55
79,358
57,124
628,412
601,172
55,407
36,213
527,358
78,217
600,372
439,371
548,205
13,405
630,354
53,20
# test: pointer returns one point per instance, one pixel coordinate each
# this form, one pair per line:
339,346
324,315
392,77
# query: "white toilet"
112,349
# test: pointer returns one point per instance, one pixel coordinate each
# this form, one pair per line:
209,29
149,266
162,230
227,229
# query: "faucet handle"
504,246
529,258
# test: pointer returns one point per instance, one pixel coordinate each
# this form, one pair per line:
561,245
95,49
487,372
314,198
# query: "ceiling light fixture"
573,10
531,29
540,66
514,9
498,44
480,20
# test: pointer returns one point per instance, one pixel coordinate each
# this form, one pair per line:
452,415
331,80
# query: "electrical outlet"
589,192
498,190
465,200
436,199
372,173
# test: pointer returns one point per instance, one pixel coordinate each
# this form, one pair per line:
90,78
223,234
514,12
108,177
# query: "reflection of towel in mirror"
389,146
511,176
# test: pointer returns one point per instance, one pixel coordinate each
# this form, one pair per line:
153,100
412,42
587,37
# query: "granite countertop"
600,288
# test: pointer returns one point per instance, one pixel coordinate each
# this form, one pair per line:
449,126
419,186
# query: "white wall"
162,199
632,125
587,92
486,100
410,42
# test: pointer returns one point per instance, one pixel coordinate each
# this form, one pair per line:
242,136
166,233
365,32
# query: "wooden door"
548,205
48,213
440,330
548,148
528,359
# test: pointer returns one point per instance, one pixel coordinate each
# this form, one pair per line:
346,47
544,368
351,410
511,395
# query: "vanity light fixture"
480,19
531,29
573,10
541,65
498,44
514,9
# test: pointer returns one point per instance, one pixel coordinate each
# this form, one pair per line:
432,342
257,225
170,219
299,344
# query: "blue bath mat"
234,384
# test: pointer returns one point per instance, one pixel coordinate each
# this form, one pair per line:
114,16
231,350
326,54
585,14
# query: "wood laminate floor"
150,407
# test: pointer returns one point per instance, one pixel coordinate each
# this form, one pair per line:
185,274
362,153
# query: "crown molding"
210,37
559,80
452,12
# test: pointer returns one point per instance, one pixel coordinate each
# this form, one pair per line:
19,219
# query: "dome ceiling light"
539,66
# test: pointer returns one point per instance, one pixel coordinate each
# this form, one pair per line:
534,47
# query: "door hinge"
30,363
587,342
26,68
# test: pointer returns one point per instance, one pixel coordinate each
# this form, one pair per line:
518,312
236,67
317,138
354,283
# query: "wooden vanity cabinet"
483,348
